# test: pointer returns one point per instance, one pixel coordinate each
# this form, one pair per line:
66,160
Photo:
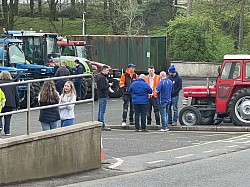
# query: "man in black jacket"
62,71
177,86
102,93
79,80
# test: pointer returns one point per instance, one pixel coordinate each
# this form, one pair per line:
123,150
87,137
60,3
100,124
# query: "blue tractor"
13,56
17,74
40,48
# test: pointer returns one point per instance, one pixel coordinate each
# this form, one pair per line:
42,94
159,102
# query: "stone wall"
50,153
196,69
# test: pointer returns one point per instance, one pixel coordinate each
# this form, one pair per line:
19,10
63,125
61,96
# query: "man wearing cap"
140,90
126,80
177,86
153,80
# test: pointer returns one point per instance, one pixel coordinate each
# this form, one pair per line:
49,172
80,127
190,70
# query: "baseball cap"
131,66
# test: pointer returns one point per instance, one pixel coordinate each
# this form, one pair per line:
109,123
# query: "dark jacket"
62,71
140,90
50,114
11,94
79,70
102,86
126,80
177,84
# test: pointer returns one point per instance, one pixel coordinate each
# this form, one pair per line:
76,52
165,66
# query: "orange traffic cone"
102,152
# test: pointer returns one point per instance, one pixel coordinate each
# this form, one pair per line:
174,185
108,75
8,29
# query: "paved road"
166,159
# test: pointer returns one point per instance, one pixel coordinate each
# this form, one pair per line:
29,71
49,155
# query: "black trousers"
127,101
152,103
7,119
140,111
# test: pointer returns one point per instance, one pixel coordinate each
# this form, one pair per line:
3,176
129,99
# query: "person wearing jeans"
164,89
140,90
102,93
48,96
102,108
177,86
49,125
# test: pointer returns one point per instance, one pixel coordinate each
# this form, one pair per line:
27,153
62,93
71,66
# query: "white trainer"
124,124
163,130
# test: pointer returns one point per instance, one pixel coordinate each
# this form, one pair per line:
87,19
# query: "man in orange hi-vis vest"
126,80
152,79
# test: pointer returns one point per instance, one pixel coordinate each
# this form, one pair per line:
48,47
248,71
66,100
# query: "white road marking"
201,144
210,151
118,163
232,146
184,156
157,161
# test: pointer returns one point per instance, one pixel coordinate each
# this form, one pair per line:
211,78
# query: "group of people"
49,96
63,91
141,94
157,92
65,70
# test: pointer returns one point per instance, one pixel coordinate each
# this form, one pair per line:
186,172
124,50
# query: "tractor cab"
38,47
11,52
233,89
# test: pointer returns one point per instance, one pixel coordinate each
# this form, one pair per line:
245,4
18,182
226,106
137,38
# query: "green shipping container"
118,50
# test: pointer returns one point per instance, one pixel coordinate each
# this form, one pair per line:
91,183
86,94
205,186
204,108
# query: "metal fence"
29,109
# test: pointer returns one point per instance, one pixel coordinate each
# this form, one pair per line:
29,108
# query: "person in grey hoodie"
68,95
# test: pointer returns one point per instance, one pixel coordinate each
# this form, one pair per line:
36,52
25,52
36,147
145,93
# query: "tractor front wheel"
239,107
189,116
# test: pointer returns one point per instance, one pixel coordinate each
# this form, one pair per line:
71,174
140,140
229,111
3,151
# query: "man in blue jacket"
163,90
140,90
177,86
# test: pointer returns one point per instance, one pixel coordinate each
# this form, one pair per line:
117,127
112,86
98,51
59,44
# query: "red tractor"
228,98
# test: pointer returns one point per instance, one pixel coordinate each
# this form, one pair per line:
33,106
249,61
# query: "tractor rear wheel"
190,116
84,89
239,107
34,92
207,117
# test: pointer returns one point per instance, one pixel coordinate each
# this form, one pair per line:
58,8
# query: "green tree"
195,38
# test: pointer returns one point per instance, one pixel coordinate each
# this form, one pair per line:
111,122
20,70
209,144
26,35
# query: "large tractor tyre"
207,117
115,91
190,116
23,101
239,107
34,92
84,89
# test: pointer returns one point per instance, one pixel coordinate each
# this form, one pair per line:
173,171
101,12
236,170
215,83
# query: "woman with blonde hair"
67,111
49,96
12,100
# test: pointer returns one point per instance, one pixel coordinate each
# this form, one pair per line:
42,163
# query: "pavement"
211,128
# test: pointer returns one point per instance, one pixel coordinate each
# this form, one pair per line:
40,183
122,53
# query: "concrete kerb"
212,128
